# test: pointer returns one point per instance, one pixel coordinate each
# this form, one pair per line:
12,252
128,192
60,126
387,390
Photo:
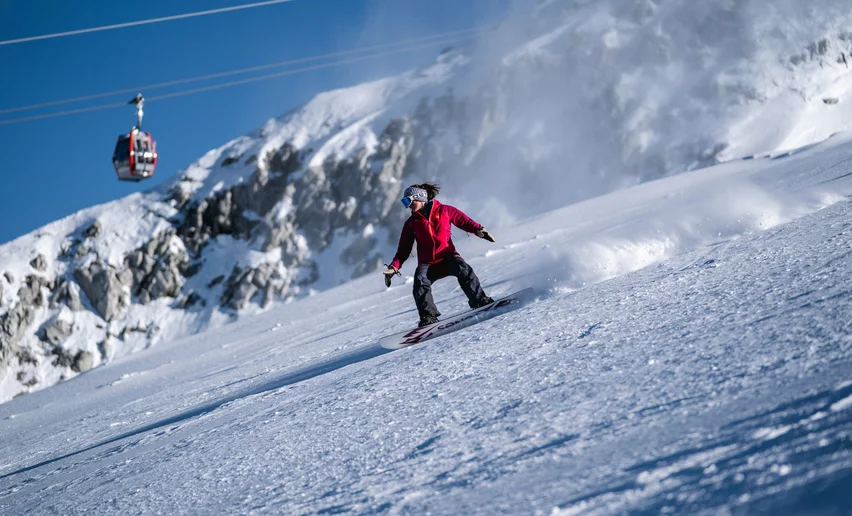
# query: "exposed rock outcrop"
67,293
94,230
83,361
105,287
265,281
39,263
18,318
13,324
210,218
158,268
57,331
106,348
269,184
78,361
358,250
32,292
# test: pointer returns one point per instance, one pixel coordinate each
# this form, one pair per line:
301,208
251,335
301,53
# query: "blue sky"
53,167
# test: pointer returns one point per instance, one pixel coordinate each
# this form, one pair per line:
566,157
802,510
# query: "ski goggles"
406,201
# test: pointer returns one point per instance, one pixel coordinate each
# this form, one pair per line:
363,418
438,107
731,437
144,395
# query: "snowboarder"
429,226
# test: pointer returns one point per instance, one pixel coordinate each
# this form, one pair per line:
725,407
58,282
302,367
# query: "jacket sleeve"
406,242
461,220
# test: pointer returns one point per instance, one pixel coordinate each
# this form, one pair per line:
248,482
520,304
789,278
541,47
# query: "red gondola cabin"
135,155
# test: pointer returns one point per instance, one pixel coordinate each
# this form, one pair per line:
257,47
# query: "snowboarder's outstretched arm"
466,223
406,243
462,221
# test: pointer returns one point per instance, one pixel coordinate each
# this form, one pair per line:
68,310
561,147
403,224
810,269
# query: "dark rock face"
286,209
67,293
243,285
339,195
83,361
39,263
157,269
56,332
18,319
362,255
269,184
193,299
13,325
368,265
79,362
61,357
105,288
106,349
94,230
210,218
358,250
31,292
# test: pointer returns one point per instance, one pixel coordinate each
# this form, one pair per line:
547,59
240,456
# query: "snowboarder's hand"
484,234
390,274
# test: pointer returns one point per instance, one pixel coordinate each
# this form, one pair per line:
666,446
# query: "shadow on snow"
340,361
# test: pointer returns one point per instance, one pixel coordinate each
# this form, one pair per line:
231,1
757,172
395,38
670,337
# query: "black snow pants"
450,266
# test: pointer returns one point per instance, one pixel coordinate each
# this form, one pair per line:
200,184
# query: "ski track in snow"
669,365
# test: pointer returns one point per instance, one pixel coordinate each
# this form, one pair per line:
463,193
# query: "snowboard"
458,321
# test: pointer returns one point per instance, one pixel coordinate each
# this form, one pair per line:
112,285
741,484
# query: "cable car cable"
142,22
236,83
241,70
287,72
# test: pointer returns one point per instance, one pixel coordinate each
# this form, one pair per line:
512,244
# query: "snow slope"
564,101
328,129
690,351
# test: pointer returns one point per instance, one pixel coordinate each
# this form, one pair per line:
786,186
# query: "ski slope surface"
689,351
562,102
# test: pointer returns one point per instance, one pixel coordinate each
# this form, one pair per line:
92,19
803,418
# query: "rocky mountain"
568,100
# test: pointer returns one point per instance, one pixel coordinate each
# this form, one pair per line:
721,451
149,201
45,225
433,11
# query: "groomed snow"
560,103
690,350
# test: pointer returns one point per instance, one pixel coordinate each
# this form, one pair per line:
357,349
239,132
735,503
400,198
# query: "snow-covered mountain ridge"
715,380
566,102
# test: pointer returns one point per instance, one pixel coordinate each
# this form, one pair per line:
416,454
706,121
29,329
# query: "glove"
390,274
485,235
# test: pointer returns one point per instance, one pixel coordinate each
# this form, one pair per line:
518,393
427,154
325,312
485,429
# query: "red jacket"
433,235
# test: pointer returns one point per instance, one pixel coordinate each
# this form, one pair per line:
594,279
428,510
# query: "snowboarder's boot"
426,320
479,303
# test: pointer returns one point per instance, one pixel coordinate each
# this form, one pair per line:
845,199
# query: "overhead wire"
243,81
142,22
298,70
218,75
